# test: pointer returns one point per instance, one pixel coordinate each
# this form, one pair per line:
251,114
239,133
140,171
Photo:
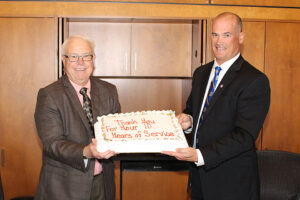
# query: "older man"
65,113
226,109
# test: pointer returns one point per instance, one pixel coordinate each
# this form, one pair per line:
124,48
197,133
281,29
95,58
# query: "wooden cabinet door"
112,45
282,126
138,49
161,49
150,185
28,62
254,44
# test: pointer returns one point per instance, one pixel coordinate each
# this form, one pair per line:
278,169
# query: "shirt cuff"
85,160
200,159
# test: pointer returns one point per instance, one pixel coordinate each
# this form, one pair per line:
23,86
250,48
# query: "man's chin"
220,60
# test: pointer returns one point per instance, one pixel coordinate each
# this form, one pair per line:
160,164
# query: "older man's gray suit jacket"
64,130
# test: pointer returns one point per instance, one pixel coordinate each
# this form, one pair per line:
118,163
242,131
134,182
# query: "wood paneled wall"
28,62
28,59
283,69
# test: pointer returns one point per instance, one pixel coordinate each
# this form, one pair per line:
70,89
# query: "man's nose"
218,39
80,60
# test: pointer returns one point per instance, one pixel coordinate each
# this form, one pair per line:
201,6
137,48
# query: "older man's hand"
90,151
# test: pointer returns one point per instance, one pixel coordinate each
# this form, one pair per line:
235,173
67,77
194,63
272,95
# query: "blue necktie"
211,91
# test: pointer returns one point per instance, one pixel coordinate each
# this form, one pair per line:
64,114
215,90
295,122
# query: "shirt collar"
78,87
226,65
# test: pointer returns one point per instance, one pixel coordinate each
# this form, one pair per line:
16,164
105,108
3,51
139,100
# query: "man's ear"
64,60
241,37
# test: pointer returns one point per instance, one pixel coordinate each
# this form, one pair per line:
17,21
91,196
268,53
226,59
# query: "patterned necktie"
210,94
87,107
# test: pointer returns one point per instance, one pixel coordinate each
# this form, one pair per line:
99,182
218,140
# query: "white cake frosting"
145,131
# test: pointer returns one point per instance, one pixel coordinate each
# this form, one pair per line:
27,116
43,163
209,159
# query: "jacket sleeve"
49,125
252,108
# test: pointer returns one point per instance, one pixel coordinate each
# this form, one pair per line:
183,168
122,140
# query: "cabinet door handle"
135,60
126,62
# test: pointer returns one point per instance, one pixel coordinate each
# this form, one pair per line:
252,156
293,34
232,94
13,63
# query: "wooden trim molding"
136,10
154,1
278,3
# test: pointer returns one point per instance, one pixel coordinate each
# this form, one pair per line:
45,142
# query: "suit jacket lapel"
95,99
71,93
199,96
229,76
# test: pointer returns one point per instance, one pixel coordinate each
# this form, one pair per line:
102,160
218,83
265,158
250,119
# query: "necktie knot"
216,77
217,70
83,91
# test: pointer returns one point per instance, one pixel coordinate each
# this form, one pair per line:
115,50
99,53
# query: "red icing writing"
147,123
110,129
115,135
157,134
127,125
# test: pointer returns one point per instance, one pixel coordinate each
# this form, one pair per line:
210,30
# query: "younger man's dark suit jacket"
64,130
229,129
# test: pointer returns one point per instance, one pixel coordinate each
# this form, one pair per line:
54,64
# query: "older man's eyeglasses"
75,58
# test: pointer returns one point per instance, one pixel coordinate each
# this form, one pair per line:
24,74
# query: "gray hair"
88,40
